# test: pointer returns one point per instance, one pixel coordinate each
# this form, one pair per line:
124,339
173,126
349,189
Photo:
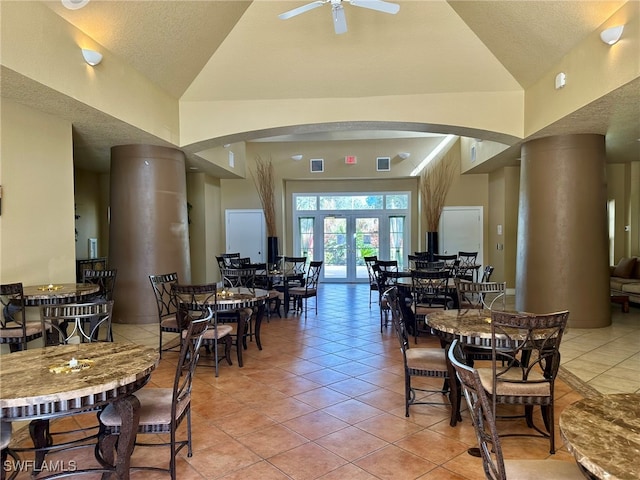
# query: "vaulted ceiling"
229,50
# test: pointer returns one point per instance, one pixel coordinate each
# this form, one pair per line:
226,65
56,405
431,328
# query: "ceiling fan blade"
379,5
302,9
339,19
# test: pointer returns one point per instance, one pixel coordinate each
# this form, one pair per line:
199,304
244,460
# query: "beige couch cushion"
632,288
625,267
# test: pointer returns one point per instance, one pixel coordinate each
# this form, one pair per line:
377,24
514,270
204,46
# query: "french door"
342,229
347,240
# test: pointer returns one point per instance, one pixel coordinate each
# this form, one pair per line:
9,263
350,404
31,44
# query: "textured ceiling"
217,50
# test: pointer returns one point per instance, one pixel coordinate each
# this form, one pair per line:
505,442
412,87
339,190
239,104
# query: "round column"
562,256
148,230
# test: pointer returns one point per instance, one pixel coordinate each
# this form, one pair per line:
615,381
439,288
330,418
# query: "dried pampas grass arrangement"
435,182
264,180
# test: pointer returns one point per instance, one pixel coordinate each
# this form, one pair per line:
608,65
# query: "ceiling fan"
337,10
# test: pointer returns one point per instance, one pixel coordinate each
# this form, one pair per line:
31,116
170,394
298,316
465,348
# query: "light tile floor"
324,400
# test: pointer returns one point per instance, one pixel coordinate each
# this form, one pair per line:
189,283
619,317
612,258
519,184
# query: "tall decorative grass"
264,180
435,182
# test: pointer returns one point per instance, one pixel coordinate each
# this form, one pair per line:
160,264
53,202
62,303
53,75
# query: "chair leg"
215,355
547,415
228,342
407,393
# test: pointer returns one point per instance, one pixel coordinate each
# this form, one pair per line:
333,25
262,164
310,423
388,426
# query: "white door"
246,233
461,231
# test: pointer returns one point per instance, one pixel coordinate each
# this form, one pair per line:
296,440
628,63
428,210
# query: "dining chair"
373,284
421,264
430,292
236,278
239,277
496,467
310,289
167,309
389,268
56,320
239,262
194,302
428,362
479,295
412,259
162,410
15,330
467,268
486,273
525,357
450,262
105,279
383,283
293,271
5,465
227,257
264,281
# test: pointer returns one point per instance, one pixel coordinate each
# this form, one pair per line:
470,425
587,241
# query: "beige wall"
623,187
37,221
87,208
206,241
46,49
591,60
295,176
634,208
497,216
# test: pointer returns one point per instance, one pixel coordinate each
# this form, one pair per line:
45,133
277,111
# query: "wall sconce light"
404,155
92,57
297,157
611,35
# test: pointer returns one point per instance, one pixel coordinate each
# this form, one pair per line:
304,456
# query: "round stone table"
603,433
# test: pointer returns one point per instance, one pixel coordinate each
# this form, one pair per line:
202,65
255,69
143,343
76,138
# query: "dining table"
35,295
603,433
280,280
41,384
472,328
233,299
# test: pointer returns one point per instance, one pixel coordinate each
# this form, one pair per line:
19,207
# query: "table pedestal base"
122,444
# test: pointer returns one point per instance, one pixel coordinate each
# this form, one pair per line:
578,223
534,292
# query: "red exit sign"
350,159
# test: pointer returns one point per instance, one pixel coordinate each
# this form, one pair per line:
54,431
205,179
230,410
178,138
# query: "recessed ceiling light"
74,4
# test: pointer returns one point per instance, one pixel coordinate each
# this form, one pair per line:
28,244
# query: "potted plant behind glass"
264,180
435,181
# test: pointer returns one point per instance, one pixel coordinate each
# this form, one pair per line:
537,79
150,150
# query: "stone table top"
232,298
472,326
57,292
30,387
603,433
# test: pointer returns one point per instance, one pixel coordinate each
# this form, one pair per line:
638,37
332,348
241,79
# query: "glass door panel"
367,236
396,241
335,248
306,232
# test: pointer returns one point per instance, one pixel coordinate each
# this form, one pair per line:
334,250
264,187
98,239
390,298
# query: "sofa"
625,279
